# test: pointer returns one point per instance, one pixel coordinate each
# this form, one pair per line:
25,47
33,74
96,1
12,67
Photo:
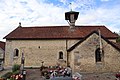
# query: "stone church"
83,48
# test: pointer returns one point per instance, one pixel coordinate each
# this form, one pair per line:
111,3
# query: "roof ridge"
62,26
43,26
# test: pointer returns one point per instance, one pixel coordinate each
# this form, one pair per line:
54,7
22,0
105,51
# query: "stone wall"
35,51
84,57
71,42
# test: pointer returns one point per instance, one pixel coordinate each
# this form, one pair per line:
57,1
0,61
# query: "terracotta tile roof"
117,44
2,45
57,32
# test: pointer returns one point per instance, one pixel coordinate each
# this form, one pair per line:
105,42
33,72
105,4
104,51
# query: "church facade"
83,48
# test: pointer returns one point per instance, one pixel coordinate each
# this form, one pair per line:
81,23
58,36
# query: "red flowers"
17,77
117,75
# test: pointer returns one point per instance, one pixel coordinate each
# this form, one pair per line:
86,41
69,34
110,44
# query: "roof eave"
40,38
53,38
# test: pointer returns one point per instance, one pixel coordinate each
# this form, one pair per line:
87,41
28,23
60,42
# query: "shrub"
16,72
7,75
15,67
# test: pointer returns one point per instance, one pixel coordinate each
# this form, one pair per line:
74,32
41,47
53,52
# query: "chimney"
19,24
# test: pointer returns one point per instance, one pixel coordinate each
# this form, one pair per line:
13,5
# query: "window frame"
61,55
98,56
16,53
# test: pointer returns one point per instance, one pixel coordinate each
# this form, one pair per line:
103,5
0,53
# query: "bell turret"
71,17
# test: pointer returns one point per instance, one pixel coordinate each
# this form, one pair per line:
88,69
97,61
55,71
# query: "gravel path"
34,74
101,76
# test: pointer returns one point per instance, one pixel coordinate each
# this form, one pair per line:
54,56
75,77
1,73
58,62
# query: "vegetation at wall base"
15,67
7,75
15,71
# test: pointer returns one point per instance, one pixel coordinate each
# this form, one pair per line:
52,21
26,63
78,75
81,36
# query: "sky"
52,12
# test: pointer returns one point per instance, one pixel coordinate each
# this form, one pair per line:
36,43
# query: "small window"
60,55
98,55
16,53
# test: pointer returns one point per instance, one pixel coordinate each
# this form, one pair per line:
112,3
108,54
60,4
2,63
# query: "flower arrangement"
16,77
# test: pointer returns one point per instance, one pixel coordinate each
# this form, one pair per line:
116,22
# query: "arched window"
60,55
98,55
16,53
